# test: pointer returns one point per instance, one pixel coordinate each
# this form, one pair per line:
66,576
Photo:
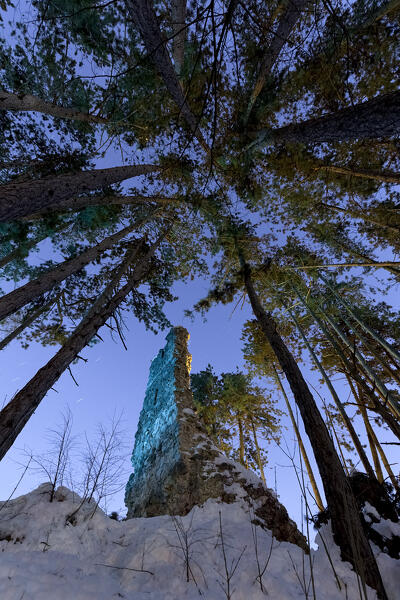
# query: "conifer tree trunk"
376,118
241,441
18,411
346,521
18,298
259,461
352,369
383,176
145,19
395,355
28,103
20,199
287,22
23,250
317,495
27,321
371,433
84,201
342,411
179,33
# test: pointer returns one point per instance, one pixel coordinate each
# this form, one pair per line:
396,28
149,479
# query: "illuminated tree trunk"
345,518
28,103
317,495
351,369
259,461
241,441
345,417
20,199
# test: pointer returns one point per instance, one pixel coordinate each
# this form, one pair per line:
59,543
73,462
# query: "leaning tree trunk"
342,411
241,441
23,249
376,118
83,201
317,495
19,410
20,199
145,19
345,518
280,37
394,354
28,103
27,321
18,298
179,33
351,369
382,176
258,452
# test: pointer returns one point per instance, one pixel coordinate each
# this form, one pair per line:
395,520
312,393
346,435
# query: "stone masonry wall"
176,465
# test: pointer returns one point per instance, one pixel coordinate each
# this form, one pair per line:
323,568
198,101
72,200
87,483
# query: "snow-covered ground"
163,558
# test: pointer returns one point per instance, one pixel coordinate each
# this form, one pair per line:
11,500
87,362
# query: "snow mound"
47,553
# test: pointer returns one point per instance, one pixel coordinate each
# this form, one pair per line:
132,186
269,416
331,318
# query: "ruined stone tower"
176,465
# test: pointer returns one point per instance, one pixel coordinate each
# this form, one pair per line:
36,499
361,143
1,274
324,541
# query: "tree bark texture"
287,22
18,298
26,322
346,521
179,33
28,103
20,199
342,411
145,19
376,118
19,410
383,176
317,495
80,202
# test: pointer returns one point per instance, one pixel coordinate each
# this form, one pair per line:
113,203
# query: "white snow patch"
42,556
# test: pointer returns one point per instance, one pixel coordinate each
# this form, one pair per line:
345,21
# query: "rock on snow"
162,558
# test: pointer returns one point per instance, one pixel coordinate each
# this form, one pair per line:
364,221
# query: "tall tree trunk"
346,521
334,435
379,408
386,394
27,321
19,410
368,429
241,441
179,33
18,298
23,249
317,495
345,417
362,215
376,118
20,199
145,19
383,176
350,309
28,103
391,269
84,201
258,452
287,22
371,433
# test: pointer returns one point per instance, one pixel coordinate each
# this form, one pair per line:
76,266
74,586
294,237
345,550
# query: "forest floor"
213,553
